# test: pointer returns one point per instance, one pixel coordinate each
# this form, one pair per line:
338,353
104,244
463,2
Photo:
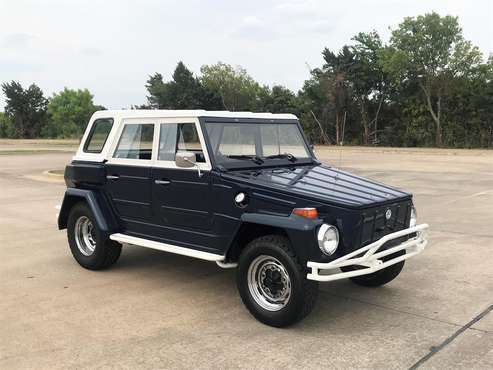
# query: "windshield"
256,142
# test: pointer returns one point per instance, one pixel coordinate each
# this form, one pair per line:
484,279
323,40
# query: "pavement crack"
434,350
482,330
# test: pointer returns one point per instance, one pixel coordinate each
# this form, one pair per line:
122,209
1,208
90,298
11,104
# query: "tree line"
425,86
29,114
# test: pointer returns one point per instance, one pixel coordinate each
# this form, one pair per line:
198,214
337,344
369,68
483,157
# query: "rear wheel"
86,241
272,283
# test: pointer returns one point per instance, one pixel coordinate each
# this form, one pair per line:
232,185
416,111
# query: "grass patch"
65,142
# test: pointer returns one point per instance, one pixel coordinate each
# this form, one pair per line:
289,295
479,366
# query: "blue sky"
110,47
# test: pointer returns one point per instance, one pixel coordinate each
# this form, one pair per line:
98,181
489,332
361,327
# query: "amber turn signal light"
306,212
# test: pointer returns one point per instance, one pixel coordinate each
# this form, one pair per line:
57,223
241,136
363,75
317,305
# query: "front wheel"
381,277
272,283
86,241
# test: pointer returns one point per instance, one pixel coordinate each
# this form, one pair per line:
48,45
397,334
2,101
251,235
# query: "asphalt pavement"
158,310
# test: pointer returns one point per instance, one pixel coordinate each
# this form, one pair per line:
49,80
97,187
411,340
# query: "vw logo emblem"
388,214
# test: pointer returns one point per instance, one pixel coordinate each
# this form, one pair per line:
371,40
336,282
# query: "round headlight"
414,218
328,239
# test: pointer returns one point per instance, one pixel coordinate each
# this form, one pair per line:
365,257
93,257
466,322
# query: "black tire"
381,277
303,292
106,252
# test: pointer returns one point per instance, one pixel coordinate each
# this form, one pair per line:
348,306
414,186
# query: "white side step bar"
122,238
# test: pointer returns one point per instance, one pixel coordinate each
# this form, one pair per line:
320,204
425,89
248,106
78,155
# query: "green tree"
25,108
184,91
237,89
470,114
157,90
431,51
369,81
280,99
6,129
483,102
69,111
337,85
316,109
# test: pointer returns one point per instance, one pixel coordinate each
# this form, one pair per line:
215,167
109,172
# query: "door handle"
162,182
112,177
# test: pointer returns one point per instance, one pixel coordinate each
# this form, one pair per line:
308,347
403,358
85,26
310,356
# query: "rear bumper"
368,257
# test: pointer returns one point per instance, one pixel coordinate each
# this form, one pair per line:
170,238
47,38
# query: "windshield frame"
245,164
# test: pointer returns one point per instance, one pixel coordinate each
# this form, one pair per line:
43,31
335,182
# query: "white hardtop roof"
167,113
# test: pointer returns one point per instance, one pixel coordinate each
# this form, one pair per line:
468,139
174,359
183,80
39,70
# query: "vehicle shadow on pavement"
336,309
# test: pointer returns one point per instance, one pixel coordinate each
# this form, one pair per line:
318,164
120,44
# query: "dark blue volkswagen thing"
244,190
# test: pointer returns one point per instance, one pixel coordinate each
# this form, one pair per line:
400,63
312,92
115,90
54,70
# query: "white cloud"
16,40
251,20
301,8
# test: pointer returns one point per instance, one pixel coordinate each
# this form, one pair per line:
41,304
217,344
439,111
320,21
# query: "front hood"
322,183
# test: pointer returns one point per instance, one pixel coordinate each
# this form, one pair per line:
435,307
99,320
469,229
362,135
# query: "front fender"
291,222
301,231
100,208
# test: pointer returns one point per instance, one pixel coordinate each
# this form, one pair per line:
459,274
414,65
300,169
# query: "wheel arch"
253,225
104,216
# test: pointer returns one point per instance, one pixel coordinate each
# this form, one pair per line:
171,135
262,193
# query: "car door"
128,173
181,196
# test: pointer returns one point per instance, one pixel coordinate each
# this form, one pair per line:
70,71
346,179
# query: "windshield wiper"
288,156
253,158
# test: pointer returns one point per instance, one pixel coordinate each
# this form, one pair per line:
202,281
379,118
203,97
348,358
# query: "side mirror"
185,159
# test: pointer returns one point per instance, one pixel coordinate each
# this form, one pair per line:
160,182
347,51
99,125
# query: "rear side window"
135,142
98,135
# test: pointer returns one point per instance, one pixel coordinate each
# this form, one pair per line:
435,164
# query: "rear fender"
105,218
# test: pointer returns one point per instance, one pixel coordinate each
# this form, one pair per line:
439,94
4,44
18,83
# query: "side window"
179,137
167,142
135,142
97,137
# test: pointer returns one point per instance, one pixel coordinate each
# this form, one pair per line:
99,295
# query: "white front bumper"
371,260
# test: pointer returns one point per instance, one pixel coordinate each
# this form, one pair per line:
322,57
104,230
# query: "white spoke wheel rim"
84,236
269,283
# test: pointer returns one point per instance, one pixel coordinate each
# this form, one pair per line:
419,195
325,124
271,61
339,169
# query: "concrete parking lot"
157,310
